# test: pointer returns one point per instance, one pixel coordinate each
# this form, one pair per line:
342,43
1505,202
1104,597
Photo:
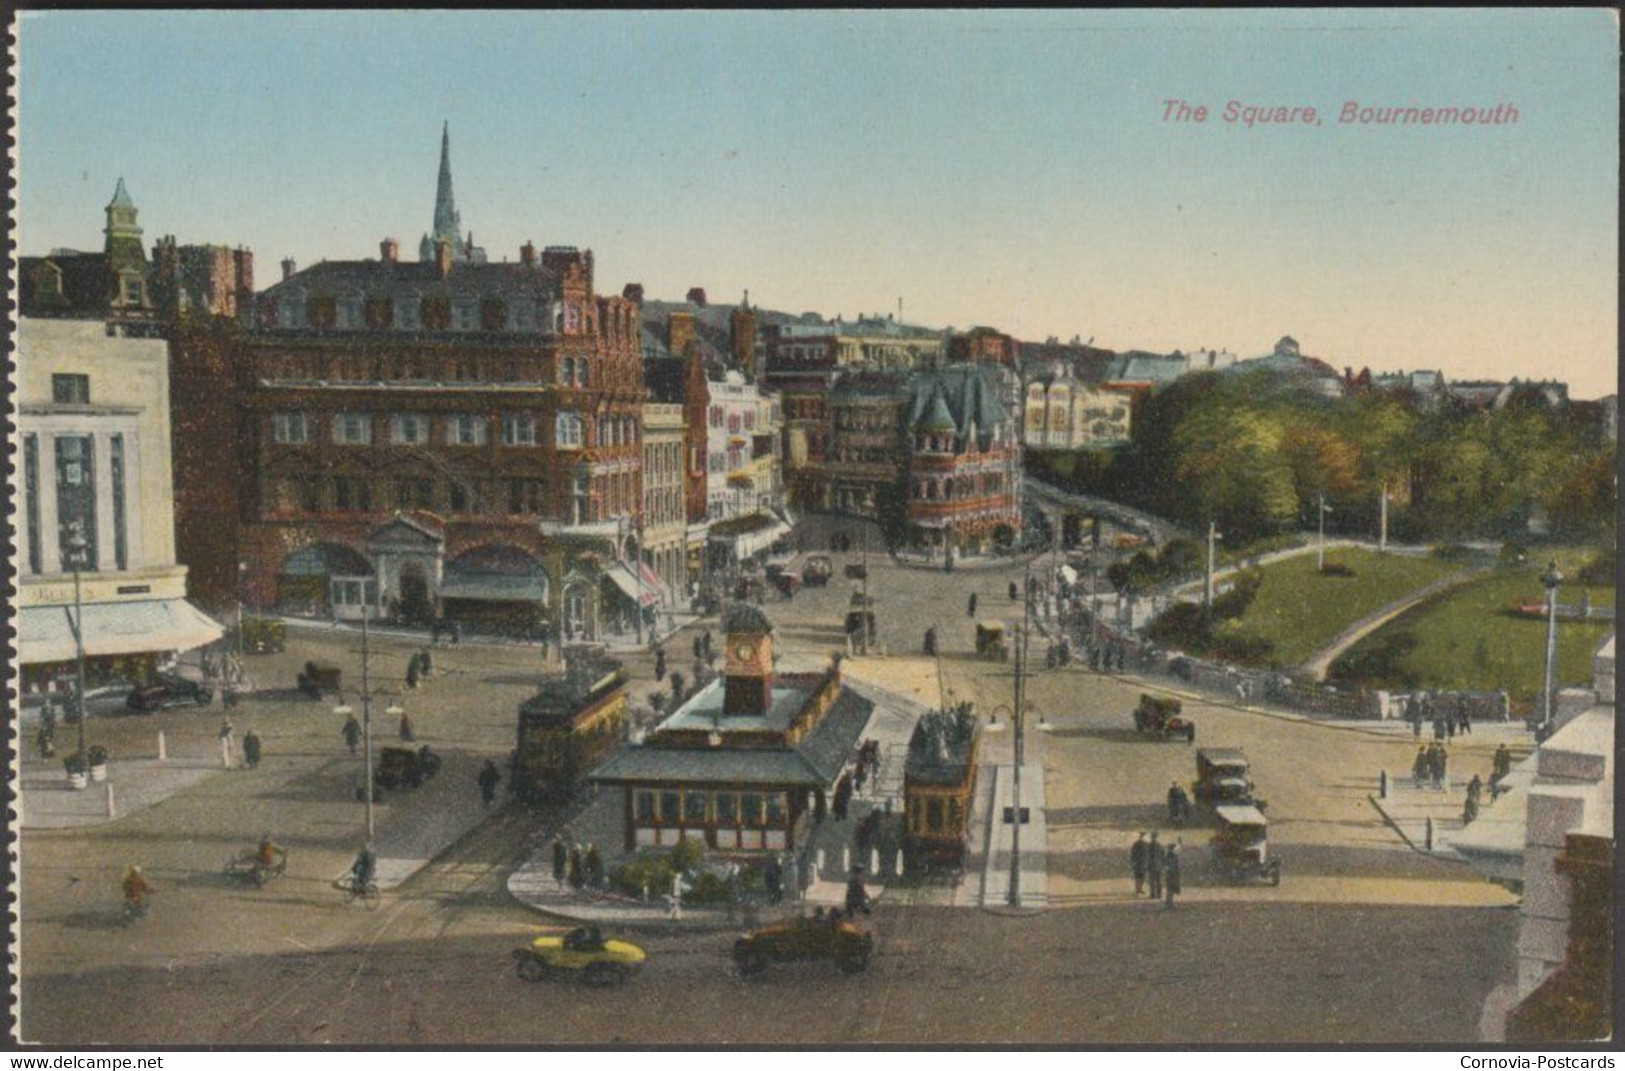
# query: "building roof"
1143,366
955,398
121,196
813,763
385,278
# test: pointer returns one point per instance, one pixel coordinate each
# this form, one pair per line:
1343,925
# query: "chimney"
527,255
696,296
390,250
679,332
633,292
288,268
442,258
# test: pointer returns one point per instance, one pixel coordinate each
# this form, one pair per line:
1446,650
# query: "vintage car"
801,940
404,766
816,570
990,641
319,677
857,571
167,691
596,960
1241,845
1164,718
1221,777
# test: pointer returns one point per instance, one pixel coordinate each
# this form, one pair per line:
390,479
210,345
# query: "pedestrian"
792,875
1138,860
1475,788
1464,720
677,695
351,732
931,642
412,673
674,900
1441,771
561,861
699,648
1438,728
1015,592
819,806
595,866
1176,803
406,728
1469,810
577,873
857,897
45,744
426,663
1422,768
1170,874
1450,726
251,749
456,633
660,663
227,735
970,605
706,636
1154,857
773,880
843,796
1094,658
1502,763
489,779
1415,714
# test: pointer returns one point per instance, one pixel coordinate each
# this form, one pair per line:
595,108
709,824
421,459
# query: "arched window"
581,372
568,431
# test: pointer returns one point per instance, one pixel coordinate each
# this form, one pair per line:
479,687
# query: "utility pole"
1382,520
366,705
1551,578
1320,547
1213,536
1020,739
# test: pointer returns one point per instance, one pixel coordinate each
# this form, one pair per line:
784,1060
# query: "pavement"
46,801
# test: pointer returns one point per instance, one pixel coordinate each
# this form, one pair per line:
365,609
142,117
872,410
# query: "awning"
493,587
114,628
747,543
647,595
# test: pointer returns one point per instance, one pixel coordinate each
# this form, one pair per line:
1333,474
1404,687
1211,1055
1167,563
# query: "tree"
1228,466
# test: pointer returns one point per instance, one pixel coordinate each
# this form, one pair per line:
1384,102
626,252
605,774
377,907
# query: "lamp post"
78,548
242,570
1320,547
366,710
1213,536
1551,578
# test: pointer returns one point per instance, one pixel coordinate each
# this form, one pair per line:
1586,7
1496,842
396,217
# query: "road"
1364,940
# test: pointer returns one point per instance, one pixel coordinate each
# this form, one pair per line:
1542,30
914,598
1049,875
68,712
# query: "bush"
1599,570
1243,590
1513,555
708,887
687,854
1379,662
1335,569
651,872
97,755
1241,647
74,763
1183,626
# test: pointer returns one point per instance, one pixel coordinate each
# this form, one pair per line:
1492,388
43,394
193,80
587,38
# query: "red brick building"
964,474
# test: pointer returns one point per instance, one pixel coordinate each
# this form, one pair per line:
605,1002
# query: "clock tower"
747,662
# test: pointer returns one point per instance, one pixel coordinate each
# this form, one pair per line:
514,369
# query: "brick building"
868,451
964,475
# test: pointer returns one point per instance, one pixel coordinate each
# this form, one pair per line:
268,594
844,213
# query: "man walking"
351,733
561,861
489,779
1138,859
1154,864
251,749
407,735
1170,874
970,605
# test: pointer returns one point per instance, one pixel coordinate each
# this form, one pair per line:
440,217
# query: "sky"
1008,168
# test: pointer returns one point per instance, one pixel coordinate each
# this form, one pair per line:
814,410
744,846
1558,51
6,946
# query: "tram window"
933,815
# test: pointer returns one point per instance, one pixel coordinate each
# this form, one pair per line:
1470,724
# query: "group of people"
1430,765
577,865
1159,865
1420,709
419,668
253,747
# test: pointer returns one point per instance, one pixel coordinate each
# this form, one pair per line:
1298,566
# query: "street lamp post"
77,547
366,710
242,570
1320,546
1213,536
1551,578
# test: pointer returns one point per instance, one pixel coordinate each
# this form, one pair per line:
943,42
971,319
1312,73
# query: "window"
716,416
352,429
70,389
348,312
524,315
750,420
379,312
31,500
408,314
321,311
493,315
409,429
76,501
733,423
572,317
414,492
750,808
567,371
568,431
669,807
461,500
465,429
525,496
132,289
518,429
643,804
694,808
581,371
310,493
435,313
727,808
775,809
115,459
463,316
290,428
351,493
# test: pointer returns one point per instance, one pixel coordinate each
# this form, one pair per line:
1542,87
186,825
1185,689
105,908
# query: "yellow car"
584,950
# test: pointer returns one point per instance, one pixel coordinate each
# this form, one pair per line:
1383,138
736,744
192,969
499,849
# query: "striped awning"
118,628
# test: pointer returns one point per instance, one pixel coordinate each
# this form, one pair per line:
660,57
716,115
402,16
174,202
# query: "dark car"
802,940
166,692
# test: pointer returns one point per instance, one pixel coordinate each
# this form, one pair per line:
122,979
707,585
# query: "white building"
743,431
93,474
663,529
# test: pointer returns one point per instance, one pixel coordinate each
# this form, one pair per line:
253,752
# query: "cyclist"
362,870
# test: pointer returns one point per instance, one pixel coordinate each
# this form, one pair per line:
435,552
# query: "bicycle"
133,910
368,894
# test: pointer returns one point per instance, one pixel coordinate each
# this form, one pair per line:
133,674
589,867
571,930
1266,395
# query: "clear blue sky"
1009,168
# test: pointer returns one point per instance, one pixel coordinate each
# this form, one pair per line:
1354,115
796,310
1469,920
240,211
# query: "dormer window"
463,316
132,290
493,315
572,317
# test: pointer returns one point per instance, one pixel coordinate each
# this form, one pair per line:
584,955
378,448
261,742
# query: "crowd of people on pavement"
1158,865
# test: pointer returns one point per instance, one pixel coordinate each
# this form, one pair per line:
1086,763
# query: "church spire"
447,223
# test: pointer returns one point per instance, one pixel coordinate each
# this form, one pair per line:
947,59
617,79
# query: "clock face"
744,652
